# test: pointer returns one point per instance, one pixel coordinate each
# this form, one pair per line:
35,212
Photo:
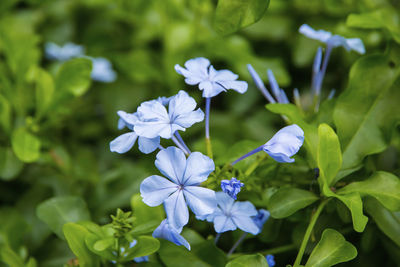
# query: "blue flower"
155,120
270,260
141,259
231,187
285,143
211,81
181,189
102,70
62,53
125,142
334,40
231,215
166,231
261,218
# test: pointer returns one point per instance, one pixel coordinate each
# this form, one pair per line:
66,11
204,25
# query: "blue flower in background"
231,187
167,232
181,189
155,120
141,259
125,142
334,40
210,81
64,52
102,70
231,215
270,260
261,218
285,143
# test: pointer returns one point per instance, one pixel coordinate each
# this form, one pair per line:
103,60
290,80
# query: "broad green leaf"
146,245
25,145
232,15
287,201
368,109
75,236
354,203
385,18
331,250
92,238
387,221
143,213
5,114
74,77
57,211
383,186
10,165
103,244
294,116
8,256
145,228
44,91
329,156
178,256
209,253
256,260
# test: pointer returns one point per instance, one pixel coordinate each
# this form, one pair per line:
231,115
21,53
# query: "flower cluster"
179,188
102,70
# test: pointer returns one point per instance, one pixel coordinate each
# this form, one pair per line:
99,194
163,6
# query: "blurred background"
143,40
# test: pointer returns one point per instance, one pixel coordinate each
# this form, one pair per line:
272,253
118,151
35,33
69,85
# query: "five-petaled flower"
155,120
168,232
285,143
231,214
334,40
231,187
181,189
211,81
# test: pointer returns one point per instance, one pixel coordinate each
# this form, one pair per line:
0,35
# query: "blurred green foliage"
57,173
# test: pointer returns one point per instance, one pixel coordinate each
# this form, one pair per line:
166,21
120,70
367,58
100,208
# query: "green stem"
209,148
308,232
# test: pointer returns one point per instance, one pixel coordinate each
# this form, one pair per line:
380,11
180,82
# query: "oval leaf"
287,201
330,250
256,260
25,145
74,76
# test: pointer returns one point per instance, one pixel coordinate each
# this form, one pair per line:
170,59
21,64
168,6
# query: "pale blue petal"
167,232
180,104
238,86
155,189
128,118
246,224
356,44
141,259
223,224
243,208
210,89
196,70
201,200
102,70
261,218
177,210
320,35
224,201
163,100
285,143
172,163
198,168
153,120
222,75
148,145
152,129
121,124
152,110
123,143
62,53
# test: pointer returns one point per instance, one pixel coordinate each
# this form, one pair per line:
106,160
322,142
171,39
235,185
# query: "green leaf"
75,236
178,256
368,109
25,145
10,165
146,245
387,221
232,15
287,201
8,256
329,154
331,250
57,211
209,253
383,186
294,116
143,213
103,244
5,114
74,76
256,260
44,91
385,18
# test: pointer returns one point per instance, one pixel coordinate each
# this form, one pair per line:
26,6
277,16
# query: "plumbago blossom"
181,187
167,232
270,260
231,187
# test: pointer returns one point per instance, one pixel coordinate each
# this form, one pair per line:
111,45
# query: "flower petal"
123,143
196,70
179,104
201,200
128,118
224,201
238,86
246,224
320,35
223,224
356,44
165,231
172,163
223,75
198,168
152,110
148,145
243,208
210,89
155,189
177,210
